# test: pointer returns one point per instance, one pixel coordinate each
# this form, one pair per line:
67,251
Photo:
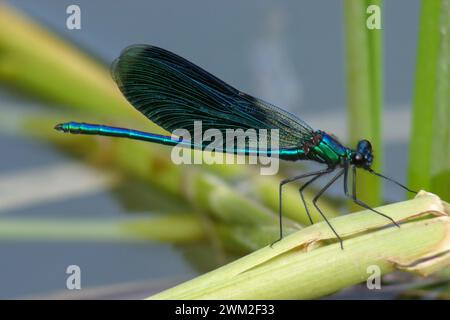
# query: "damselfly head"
362,156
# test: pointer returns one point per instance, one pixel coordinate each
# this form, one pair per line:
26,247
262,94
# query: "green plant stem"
440,166
421,148
43,64
364,89
174,228
375,37
309,263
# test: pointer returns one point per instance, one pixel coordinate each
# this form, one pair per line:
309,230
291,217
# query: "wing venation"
173,93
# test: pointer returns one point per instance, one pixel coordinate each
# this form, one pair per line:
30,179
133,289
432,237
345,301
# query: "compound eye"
358,157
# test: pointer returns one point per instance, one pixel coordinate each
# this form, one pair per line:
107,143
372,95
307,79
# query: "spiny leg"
333,180
303,198
280,193
356,200
354,182
328,170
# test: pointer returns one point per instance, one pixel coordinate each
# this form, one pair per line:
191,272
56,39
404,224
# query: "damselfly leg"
337,176
315,175
354,197
302,188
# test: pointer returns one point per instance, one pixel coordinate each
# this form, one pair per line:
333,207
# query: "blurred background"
290,53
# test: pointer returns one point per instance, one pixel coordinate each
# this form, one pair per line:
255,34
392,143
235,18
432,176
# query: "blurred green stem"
429,165
440,172
174,228
364,89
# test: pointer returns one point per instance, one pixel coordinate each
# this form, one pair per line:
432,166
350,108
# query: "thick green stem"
364,88
310,263
430,145
440,166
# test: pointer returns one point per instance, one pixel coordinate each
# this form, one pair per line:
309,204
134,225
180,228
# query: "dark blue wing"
173,93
